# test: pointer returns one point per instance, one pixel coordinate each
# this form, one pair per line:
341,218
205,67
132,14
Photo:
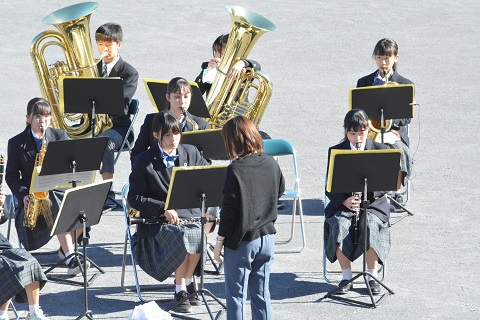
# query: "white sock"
347,273
180,287
373,272
4,313
69,259
188,281
34,309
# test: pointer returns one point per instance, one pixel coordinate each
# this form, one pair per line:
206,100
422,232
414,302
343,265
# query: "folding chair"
129,222
278,148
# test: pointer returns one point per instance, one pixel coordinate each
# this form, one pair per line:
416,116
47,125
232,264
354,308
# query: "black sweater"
252,187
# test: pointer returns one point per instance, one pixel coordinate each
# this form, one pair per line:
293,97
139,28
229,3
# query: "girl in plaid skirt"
161,249
338,240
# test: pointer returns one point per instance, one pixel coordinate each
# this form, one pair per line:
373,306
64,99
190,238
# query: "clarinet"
356,217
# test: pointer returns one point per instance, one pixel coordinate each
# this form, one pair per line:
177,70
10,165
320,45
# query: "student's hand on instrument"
214,62
217,251
26,201
236,69
351,203
172,216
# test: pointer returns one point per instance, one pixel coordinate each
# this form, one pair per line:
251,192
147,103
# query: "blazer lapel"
182,156
158,165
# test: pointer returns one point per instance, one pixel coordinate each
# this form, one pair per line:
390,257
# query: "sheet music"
63,180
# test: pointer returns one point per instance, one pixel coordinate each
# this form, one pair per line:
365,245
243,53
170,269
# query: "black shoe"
280,205
184,306
195,299
374,287
346,287
74,267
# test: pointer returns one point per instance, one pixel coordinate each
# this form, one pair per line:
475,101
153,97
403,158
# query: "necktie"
104,71
169,160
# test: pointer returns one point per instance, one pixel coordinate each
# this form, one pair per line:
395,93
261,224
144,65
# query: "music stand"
92,95
362,171
188,190
64,163
383,102
82,207
209,142
157,89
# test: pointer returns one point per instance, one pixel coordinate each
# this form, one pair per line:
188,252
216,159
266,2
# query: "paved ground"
319,51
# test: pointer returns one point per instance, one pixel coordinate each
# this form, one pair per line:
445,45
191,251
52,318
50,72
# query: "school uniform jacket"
149,182
129,76
22,151
378,203
145,138
205,87
398,124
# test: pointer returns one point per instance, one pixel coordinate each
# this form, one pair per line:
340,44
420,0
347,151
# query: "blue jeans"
247,269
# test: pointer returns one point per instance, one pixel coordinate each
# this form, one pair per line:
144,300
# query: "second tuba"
229,98
74,40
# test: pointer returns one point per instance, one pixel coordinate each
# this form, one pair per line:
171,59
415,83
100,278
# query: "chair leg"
302,228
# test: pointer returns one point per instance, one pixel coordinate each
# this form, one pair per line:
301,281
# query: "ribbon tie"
378,82
169,160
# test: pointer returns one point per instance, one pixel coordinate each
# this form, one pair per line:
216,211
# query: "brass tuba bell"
74,40
228,98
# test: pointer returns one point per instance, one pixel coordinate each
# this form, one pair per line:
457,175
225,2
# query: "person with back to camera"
253,183
386,57
161,249
22,152
109,38
178,98
22,278
341,207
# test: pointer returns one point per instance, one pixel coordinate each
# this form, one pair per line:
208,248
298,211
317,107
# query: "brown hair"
241,137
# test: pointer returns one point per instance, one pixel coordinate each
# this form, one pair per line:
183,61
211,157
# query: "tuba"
228,98
376,125
39,201
74,40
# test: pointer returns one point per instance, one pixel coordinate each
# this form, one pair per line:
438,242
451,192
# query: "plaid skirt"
405,161
18,268
337,235
40,235
161,255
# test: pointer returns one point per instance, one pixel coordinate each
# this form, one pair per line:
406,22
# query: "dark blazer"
22,151
145,138
149,182
129,76
378,203
205,87
398,124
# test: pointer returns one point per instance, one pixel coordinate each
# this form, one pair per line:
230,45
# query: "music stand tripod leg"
202,291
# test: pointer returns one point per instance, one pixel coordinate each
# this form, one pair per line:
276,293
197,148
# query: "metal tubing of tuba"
74,40
228,98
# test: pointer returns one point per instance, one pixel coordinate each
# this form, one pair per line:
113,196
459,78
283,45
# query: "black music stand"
384,102
209,142
82,207
362,171
92,96
157,89
65,162
188,190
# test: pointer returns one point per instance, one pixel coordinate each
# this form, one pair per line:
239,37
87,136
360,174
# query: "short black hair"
109,32
164,121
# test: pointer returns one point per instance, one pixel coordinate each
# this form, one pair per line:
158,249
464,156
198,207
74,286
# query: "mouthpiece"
358,145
